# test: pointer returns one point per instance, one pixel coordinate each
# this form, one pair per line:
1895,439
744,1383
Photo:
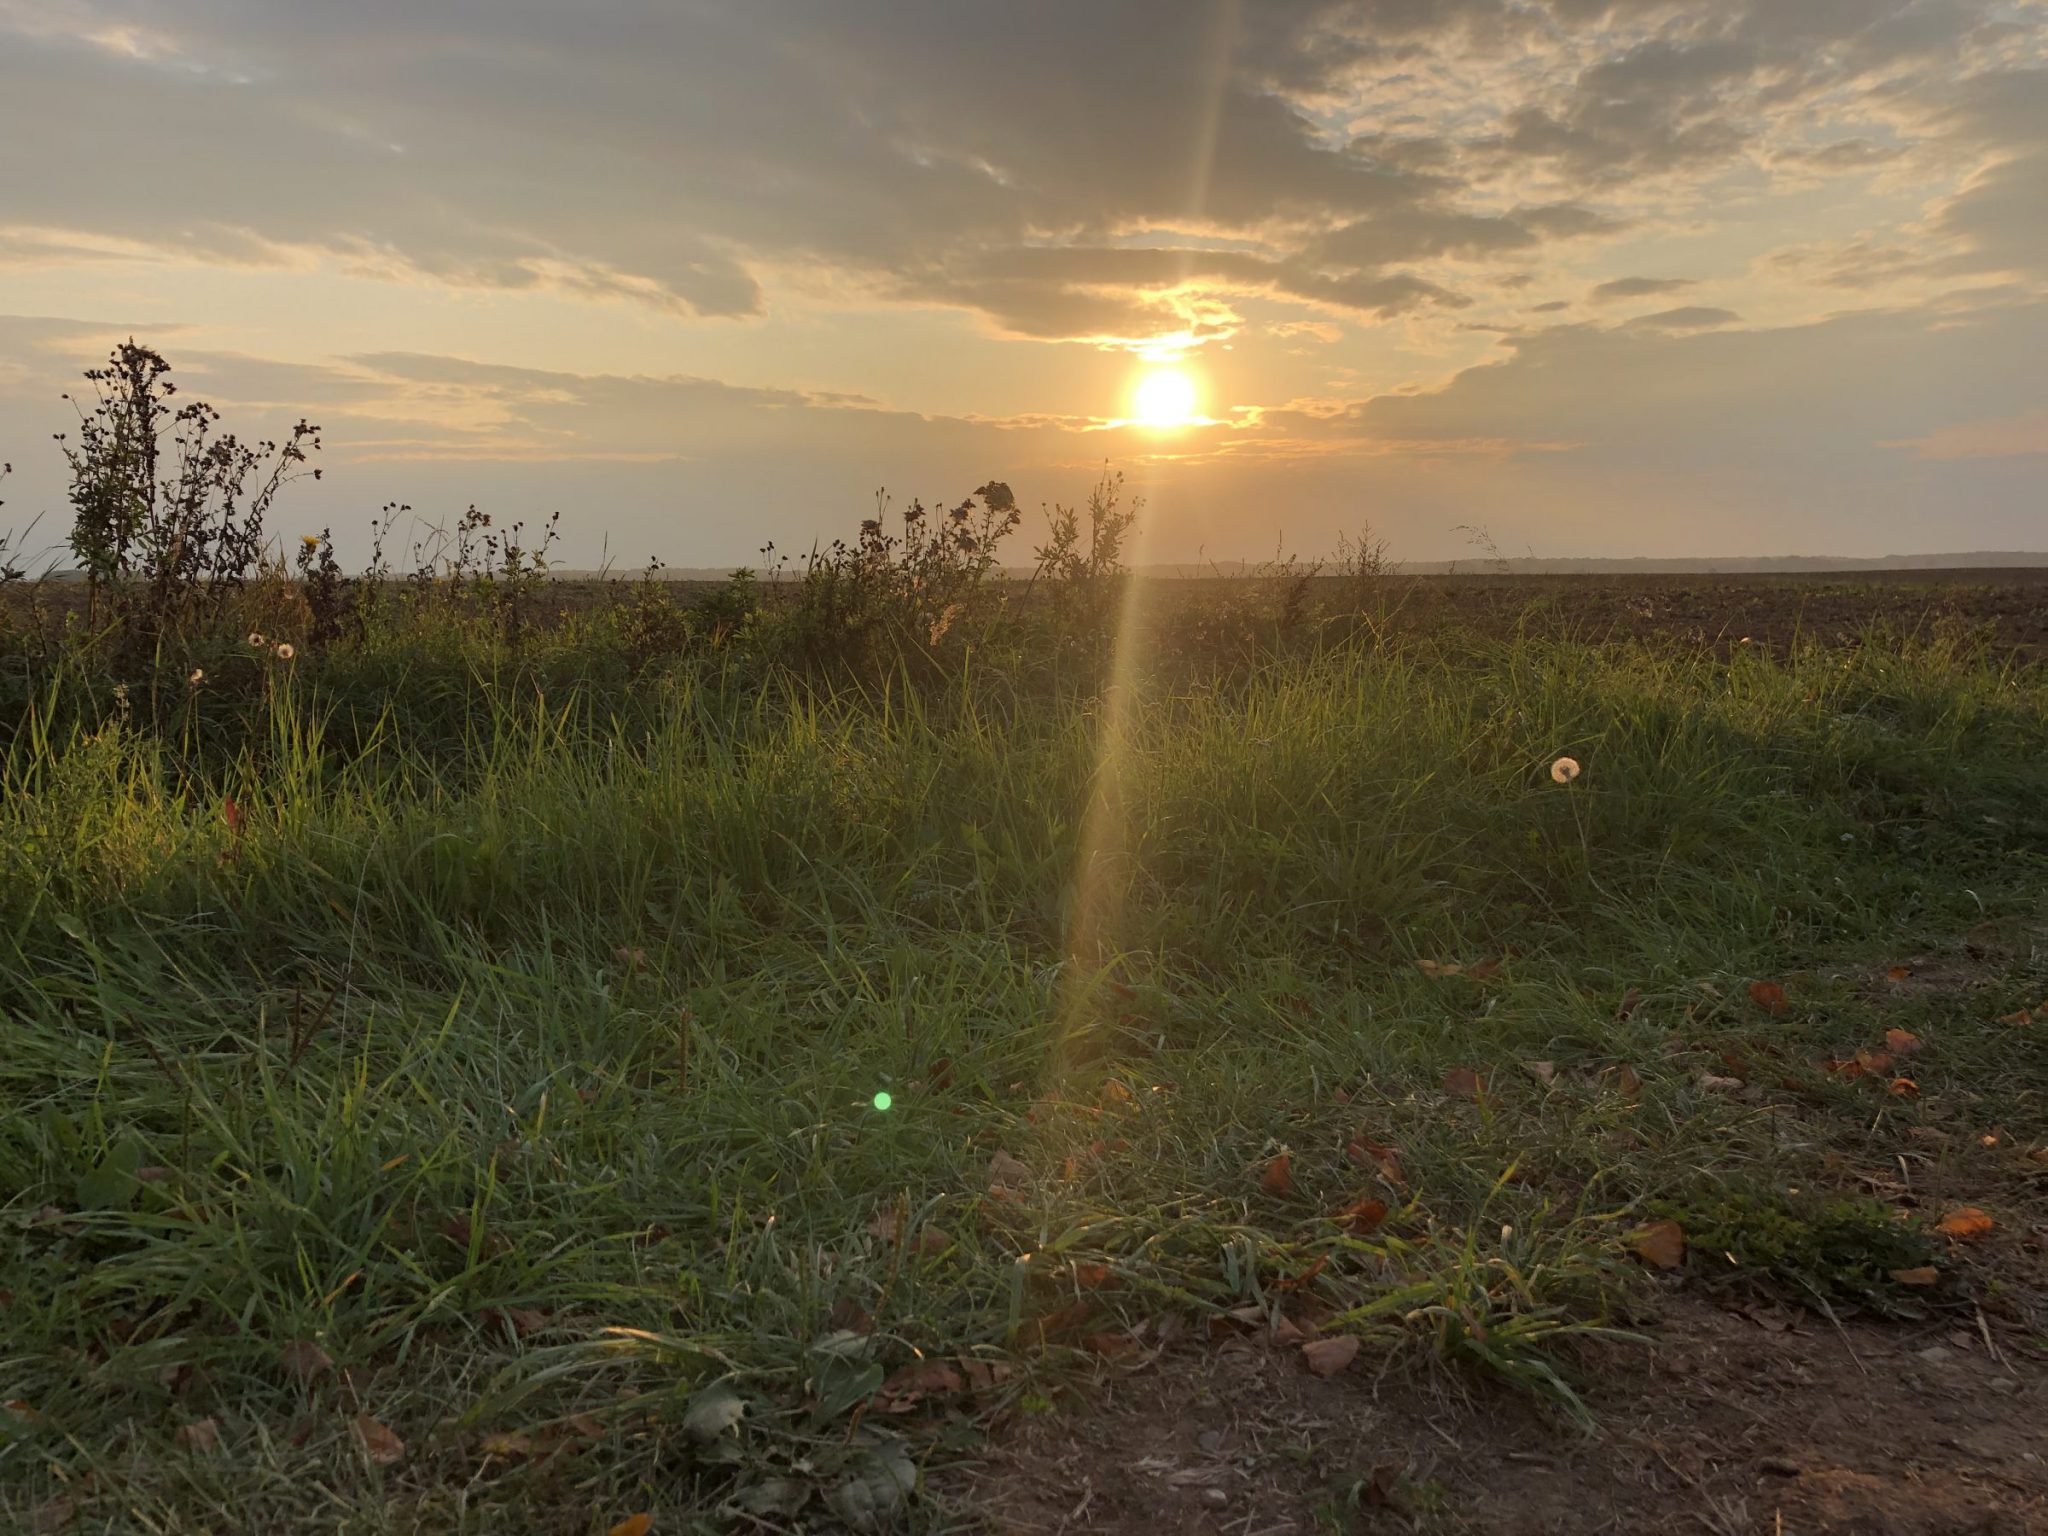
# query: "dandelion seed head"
255,640
285,652
1564,770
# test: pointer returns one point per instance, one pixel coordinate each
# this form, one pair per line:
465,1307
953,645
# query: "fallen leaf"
1545,1072
518,1443
303,1360
1902,1042
1629,1080
1436,970
1363,1217
1296,1282
1007,1170
1661,1244
1326,1357
932,1241
916,1382
380,1444
1110,1346
1903,1088
201,1436
631,959
1631,1000
1113,1091
1899,973
1464,1083
2022,1017
1091,1277
848,1316
1368,1153
1768,995
231,813
1926,1275
1709,1083
523,1321
55,1515
1964,1222
1061,1323
1278,1179
633,1525
1483,970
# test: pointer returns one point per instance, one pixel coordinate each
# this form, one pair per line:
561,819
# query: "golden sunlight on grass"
1166,399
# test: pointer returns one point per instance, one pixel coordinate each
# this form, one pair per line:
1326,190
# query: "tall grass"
457,1015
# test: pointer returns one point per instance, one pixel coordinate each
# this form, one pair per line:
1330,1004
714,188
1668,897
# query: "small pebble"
1210,1440
1215,1496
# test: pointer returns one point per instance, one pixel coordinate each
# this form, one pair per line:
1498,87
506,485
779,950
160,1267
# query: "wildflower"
310,540
120,693
1564,770
285,652
198,676
255,640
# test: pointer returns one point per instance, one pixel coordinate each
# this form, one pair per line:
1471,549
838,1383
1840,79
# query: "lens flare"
884,1102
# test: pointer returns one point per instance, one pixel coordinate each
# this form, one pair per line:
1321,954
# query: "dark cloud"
1640,288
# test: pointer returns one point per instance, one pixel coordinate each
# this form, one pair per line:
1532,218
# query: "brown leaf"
631,959
1926,1275
1545,1072
1110,1346
231,813
2022,1017
848,1316
1327,1357
1306,1277
1964,1222
1278,1179
201,1436
303,1360
1904,1088
917,1381
1483,970
1709,1083
1631,1000
523,1321
932,1241
1363,1217
1092,1277
1367,1153
633,1525
1007,1170
1769,996
1629,1080
1058,1324
1661,1244
1436,970
1464,1083
380,1444
1903,1042
1899,973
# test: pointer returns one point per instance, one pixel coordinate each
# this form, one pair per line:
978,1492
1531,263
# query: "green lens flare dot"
883,1101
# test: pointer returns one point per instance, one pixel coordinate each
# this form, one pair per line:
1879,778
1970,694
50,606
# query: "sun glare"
1165,398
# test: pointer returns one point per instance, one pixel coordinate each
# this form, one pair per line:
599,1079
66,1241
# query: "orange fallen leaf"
1904,1088
1964,1222
633,1525
1903,1042
380,1443
1463,1082
1364,1152
1307,1276
1899,973
1326,1357
1925,1275
1768,995
2022,1017
1661,1244
1363,1217
1278,1179
1091,1277
1110,1346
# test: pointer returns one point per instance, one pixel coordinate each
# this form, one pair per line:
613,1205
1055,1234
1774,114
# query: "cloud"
1694,317
1640,288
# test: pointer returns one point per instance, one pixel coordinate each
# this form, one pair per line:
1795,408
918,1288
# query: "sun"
1166,398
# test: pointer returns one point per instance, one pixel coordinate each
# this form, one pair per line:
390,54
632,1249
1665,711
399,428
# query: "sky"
1568,277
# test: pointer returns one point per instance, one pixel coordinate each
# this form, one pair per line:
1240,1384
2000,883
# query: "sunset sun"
1166,398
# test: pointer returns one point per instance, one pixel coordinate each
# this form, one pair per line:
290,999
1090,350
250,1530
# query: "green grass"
520,1048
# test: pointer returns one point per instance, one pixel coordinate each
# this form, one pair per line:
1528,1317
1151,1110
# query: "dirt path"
1731,1423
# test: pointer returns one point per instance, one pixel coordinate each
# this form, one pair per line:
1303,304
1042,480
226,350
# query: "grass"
502,1069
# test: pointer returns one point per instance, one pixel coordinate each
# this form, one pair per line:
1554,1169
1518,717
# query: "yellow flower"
310,540
285,653
1564,770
